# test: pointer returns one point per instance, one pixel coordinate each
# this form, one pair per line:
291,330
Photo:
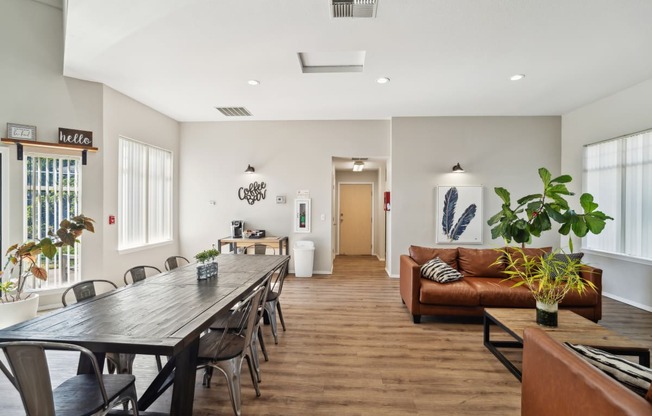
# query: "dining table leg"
183,392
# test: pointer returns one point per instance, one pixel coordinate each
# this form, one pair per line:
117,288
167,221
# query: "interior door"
355,219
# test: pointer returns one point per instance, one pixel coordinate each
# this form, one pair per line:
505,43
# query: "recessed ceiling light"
253,82
517,77
383,80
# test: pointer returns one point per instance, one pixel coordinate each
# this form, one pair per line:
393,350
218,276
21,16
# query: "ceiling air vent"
353,8
234,111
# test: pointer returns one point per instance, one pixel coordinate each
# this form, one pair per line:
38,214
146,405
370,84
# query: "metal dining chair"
121,363
173,262
83,394
272,303
259,248
226,350
138,273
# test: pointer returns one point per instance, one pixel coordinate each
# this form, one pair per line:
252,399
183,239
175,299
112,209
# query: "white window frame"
56,276
622,161
126,222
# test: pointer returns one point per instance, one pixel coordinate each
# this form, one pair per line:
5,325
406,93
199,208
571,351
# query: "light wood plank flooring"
351,349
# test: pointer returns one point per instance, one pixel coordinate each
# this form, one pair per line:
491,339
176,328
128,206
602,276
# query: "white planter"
14,312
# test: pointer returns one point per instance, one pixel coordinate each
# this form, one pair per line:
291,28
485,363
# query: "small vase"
547,314
207,271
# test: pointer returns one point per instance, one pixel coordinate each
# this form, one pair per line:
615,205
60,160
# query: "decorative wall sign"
78,137
21,131
255,192
459,215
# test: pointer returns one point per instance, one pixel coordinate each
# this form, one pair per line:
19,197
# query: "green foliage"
549,278
536,213
206,255
25,256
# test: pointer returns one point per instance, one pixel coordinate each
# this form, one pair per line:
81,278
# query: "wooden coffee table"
572,328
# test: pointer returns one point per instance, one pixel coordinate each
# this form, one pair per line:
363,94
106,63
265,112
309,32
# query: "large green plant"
535,213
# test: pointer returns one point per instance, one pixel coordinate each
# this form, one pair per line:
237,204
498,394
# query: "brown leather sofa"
483,285
556,381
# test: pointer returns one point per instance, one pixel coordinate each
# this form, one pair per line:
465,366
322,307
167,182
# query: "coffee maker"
237,226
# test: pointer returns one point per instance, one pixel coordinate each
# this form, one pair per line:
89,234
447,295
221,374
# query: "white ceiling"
444,57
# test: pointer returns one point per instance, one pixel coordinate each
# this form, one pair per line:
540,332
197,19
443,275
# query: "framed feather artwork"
459,215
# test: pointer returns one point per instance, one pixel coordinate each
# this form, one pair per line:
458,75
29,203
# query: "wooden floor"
351,349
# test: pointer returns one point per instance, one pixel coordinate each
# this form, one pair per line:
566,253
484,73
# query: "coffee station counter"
280,244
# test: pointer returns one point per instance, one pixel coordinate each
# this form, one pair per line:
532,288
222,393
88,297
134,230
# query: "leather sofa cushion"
478,262
423,254
530,252
588,298
458,293
495,291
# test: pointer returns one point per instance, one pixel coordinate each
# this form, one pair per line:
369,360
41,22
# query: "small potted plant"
22,262
207,267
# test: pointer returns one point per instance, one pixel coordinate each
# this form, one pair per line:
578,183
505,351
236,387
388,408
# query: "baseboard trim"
628,301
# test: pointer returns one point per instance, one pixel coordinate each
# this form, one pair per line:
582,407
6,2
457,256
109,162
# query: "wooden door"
355,219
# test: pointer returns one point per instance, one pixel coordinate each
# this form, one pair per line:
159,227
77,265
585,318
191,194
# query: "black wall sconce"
458,169
250,169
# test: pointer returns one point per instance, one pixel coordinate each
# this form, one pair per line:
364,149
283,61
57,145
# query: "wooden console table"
276,242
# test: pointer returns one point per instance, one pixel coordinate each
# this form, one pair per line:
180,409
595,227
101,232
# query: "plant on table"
207,256
549,278
22,260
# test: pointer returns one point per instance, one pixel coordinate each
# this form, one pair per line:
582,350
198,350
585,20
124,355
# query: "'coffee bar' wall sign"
78,137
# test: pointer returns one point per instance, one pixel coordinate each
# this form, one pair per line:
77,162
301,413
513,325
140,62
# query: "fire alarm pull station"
111,219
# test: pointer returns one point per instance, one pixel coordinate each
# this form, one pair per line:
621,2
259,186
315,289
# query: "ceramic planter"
12,313
207,271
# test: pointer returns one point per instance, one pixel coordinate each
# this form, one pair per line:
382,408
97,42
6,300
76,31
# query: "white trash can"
304,257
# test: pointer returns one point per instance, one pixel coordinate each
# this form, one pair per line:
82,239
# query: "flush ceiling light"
250,169
458,169
382,80
517,77
358,165
253,82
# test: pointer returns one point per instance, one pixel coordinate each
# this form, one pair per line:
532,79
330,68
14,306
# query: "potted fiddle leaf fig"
207,266
549,277
23,262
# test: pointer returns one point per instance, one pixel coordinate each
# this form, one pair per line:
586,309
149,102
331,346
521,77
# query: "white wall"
124,116
494,151
626,112
288,156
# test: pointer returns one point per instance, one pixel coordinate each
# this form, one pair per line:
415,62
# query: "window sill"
618,256
144,247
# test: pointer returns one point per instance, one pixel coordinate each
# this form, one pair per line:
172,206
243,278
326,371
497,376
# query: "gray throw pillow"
437,270
633,376
565,259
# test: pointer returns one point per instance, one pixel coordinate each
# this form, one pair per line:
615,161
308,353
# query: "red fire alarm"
111,219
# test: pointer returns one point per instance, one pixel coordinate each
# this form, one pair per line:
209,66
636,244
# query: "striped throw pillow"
634,376
437,270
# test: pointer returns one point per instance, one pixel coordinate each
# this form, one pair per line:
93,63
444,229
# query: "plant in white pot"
549,278
22,262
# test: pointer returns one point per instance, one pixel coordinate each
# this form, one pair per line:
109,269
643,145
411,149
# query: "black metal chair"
83,394
138,273
226,350
173,262
273,303
86,289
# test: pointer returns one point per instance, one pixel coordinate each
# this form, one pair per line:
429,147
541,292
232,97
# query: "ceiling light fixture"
250,169
382,80
358,165
253,82
517,77
458,169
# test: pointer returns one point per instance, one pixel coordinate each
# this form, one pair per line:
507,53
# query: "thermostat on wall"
280,199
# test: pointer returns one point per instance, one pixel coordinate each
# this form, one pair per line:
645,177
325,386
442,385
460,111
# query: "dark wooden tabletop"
159,315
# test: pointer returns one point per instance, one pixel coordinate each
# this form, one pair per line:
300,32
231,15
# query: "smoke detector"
353,8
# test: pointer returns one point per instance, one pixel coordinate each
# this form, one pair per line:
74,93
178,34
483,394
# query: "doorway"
355,219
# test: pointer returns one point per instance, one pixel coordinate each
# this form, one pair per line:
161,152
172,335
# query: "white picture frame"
21,131
459,218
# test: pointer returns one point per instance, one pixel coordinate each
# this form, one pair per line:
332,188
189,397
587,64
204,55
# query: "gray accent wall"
494,151
623,113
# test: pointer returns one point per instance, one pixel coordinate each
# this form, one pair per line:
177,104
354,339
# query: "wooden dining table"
162,315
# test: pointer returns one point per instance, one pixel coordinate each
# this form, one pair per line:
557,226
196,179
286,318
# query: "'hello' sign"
78,137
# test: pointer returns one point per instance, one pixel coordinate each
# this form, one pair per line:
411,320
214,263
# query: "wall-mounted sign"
21,131
255,192
78,137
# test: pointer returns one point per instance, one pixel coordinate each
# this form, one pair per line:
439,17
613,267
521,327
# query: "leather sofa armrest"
594,275
410,285
551,371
